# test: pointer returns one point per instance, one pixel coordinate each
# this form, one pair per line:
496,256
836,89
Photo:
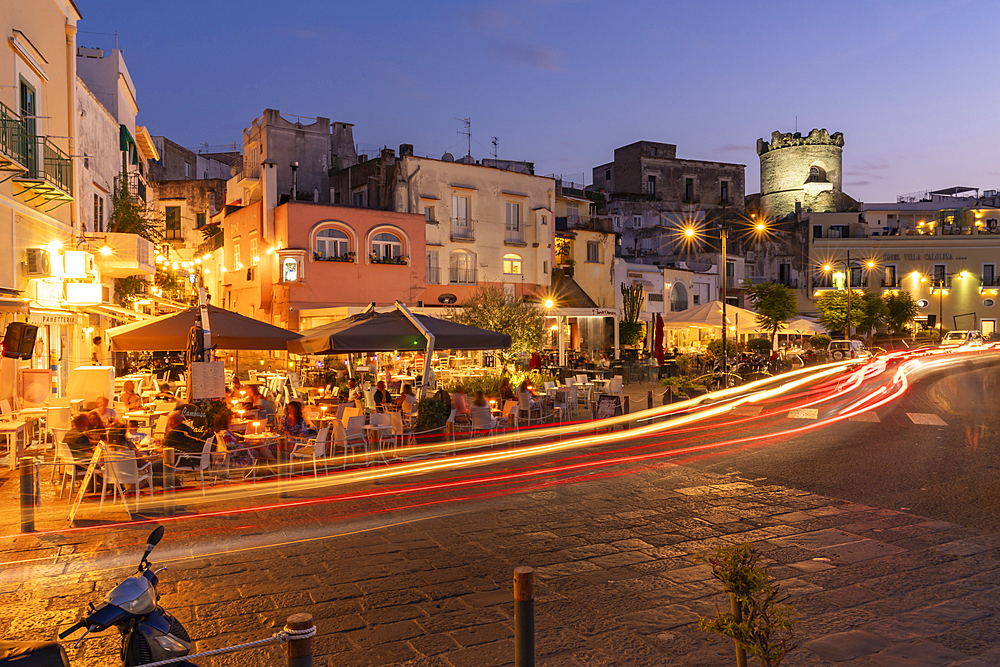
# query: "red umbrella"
659,339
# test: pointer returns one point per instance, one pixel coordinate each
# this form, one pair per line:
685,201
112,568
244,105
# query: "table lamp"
256,428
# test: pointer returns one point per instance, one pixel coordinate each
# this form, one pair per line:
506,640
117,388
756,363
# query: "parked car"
847,349
962,339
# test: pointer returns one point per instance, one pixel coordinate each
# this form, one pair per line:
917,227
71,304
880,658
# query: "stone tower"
801,171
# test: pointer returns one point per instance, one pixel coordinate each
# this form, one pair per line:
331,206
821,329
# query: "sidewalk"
616,581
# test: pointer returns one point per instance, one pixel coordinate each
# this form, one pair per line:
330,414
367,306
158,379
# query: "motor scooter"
148,632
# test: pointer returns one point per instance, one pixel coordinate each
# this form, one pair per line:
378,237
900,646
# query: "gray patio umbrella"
230,331
385,332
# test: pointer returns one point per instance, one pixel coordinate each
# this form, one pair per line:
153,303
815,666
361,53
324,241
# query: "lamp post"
724,235
847,273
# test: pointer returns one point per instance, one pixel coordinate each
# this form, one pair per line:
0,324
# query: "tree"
775,304
900,309
132,216
630,329
491,308
872,313
833,310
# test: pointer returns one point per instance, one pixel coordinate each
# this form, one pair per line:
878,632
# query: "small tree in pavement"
491,308
775,305
900,309
833,309
872,313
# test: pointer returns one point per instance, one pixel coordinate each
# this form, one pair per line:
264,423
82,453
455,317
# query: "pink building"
322,256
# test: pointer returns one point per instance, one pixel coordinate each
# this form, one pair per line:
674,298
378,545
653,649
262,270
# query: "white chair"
508,416
350,438
370,401
583,397
401,433
456,426
120,469
581,379
313,449
383,421
56,419
482,420
526,406
197,462
615,388
340,410
549,386
563,400
160,429
64,456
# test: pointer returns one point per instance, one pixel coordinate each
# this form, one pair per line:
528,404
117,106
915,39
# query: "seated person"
180,436
382,397
265,407
95,428
234,391
480,400
132,434
459,404
355,393
406,399
506,391
294,424
76,438
227,442
132,400
164,394
107,415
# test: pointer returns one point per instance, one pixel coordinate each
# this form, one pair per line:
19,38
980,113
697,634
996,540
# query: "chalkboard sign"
608,405
98,453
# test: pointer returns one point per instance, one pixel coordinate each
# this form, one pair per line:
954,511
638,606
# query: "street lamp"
828,266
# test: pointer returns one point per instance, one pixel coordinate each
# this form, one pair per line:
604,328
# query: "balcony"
13,142
463,229
50,179
460,276
136,187
989,285
515,236
122,255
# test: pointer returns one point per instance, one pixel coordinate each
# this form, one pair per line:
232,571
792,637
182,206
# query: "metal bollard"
524,616
169,479
625,411
299,650
284,466
649,400
27,469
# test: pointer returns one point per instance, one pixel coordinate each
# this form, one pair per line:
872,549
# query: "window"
637,221
28,113
187,170
699,294
617,221
655,297
332,243
199,219
513,224
237,264
689,191
818,232
289,270
462,268
254,257
545,220
98,213
386,247
784,274
359,198
429,213
460,211
512,265
545,267
593,252
889,279
731,272
172,217
724,191
572,212
651,185
939,274
607,174
433,277
989,275
678,298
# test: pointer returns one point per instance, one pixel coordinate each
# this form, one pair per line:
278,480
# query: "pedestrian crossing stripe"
747,411
864,417
804,413
926,419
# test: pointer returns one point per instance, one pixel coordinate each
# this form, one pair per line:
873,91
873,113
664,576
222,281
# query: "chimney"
405,149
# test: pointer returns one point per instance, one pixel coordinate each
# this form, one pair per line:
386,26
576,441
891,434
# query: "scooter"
149,633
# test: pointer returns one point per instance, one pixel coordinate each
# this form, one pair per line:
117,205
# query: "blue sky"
911,84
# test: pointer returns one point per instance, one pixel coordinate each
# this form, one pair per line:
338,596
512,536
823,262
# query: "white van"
847,349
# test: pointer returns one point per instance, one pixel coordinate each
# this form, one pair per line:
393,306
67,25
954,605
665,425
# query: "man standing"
97,355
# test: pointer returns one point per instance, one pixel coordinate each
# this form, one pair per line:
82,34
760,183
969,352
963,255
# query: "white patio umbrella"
803,326
709,315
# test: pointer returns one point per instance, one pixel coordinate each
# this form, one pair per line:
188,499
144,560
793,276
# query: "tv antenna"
467,132
496,141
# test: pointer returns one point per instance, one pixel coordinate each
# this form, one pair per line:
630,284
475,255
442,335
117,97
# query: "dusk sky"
562,83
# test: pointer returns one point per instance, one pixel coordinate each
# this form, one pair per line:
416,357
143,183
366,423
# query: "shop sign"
41,318
604,312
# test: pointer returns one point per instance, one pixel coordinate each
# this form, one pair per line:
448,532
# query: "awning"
13,304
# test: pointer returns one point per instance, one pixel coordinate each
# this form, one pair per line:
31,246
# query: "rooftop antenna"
467,132
796,125
496,141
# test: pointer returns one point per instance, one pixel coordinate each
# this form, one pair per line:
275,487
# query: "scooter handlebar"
71,629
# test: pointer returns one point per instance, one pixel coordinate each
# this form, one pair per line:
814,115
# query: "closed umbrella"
659,339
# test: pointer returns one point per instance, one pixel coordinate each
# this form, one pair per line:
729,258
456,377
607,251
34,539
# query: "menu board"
208,380
608,405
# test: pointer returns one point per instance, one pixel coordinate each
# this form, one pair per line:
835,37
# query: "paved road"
417,571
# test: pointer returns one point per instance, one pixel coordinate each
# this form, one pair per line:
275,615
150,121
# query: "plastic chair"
121,468
508,416
370,401
400,431
69,468
351,437
615,388
313,449
199,462
482,420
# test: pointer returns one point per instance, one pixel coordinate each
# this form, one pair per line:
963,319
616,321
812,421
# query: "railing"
514,235
458,276
462,229
433,275
13,137
891,284
990,282
136,186
58,166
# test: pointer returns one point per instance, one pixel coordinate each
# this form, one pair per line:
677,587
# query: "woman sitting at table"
107,415
95,428
234,392
227,442
480,400
506,391
294,424
132,400
459,405
406,399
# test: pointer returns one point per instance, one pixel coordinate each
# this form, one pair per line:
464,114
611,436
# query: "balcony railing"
127,255
49,178
433,275
136,187
58,167
13,141
515,235
988,281
463,229
460,276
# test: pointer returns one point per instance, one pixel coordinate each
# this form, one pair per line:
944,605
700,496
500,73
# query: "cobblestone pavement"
616,578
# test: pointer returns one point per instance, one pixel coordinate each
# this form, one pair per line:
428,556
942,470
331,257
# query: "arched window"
332,243
386,247
512,264
816,174
678,298
462,268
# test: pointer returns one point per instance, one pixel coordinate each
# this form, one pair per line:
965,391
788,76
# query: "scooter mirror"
155,537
